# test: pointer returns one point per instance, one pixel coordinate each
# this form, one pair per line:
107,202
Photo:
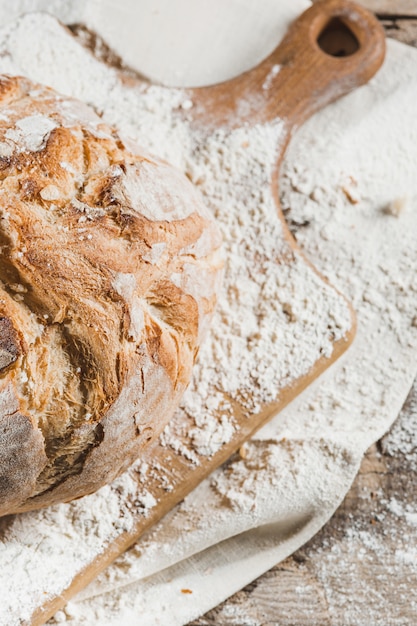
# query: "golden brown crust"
102,252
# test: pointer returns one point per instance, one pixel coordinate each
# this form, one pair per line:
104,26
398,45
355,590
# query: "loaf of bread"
109,269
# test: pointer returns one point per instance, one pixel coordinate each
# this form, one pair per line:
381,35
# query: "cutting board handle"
335,46
332,48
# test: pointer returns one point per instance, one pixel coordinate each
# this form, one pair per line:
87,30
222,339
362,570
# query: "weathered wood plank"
401,30
390,7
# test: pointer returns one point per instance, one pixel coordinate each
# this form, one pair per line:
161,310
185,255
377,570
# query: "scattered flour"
31,132
78,530
402,438
342,573
273,322
269,80
357,561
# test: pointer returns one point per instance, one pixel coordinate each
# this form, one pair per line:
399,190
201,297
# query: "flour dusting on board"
73,532
274,319
266,331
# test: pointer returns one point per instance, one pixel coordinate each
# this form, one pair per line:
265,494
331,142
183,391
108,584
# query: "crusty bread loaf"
109,269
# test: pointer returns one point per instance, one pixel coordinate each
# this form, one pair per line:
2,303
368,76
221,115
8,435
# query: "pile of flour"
284,485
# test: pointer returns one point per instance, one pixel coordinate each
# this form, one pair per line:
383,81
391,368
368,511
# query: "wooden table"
361,569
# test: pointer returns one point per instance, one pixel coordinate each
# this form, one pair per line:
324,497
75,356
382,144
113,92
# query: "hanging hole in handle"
337,40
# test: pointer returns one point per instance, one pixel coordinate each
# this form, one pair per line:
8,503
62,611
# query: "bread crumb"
350,190
187,105
243,451
396,207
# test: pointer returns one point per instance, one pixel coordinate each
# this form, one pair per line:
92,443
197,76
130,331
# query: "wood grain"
402,30
308,76
390,7
370,589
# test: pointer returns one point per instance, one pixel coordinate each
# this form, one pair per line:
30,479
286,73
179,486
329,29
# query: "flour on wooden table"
402,439
355,562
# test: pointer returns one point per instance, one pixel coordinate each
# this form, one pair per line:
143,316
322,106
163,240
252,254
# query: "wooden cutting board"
331,49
